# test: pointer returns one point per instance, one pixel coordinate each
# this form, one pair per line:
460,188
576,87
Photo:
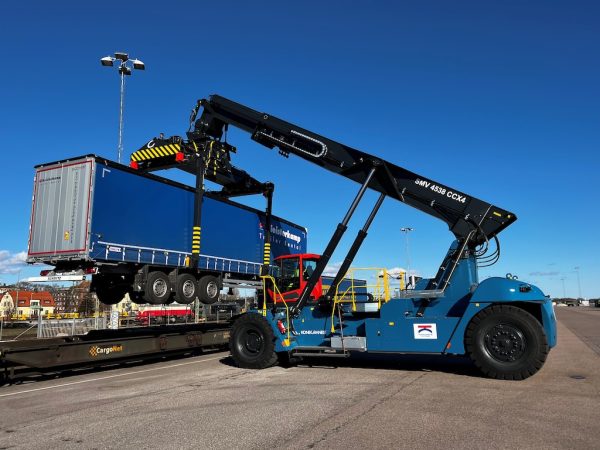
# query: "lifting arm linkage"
461,212
360,237
333,243
268,193
198,199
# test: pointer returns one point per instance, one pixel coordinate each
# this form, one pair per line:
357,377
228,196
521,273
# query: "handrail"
380,290
276,292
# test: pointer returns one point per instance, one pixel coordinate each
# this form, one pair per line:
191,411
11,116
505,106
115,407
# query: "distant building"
7,305
62,301
30,304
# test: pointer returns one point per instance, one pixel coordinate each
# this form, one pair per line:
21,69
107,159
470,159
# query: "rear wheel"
158,288
186,289
208,289
506,342
252,342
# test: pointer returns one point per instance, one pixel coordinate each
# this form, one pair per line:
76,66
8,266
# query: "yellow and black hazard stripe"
196,241
267,254
161,151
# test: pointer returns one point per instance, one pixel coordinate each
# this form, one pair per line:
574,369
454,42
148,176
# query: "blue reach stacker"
506,326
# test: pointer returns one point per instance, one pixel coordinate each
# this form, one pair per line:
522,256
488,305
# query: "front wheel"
252,342
506,342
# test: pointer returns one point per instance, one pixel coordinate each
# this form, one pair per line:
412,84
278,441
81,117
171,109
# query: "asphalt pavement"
407,402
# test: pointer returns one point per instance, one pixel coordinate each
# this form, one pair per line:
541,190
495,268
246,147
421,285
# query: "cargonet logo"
104,350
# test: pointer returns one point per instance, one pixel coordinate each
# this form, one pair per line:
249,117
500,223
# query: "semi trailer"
506,326
133,233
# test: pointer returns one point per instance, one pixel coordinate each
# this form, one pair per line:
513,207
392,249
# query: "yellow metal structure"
356,278
156,152
277,295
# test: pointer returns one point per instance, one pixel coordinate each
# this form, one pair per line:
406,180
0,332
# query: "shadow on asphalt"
456,365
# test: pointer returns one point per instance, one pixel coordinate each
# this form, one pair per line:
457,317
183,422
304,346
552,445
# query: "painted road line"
10,394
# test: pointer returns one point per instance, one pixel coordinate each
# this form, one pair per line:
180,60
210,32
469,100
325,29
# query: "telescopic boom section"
467,217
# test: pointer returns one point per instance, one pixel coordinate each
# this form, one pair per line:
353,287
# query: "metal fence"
69,327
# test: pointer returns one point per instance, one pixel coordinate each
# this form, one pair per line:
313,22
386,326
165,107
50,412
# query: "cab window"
308,267
289,274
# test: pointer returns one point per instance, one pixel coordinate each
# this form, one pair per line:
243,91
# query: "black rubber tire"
110,290
137,298
252,342
110,295
158,288
506,342
208,289
186,289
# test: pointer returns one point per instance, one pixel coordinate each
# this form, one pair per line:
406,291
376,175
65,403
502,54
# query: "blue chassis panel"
396,329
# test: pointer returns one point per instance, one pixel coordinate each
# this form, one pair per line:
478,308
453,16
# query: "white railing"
178,258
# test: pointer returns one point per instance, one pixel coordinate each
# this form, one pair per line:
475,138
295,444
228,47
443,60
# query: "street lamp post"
16,305
564,289
578,282
407,230
125,68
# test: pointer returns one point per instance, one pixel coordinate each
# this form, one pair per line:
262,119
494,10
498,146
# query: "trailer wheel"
137,298
158,288
252,342
186,289
208,289
110,290
110,295
506,343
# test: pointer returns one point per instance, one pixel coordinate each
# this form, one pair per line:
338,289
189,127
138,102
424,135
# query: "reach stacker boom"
504,325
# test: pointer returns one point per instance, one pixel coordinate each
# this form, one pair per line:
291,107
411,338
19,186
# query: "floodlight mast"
124,69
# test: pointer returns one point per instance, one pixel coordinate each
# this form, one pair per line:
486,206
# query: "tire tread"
532,366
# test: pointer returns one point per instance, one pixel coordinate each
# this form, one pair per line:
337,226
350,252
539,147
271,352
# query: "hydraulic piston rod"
331,246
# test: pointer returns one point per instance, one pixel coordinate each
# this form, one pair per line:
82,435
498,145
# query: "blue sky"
500,100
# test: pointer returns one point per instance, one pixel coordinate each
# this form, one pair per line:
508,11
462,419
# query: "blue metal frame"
396,327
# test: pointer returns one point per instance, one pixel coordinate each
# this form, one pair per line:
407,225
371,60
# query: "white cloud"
11,263
332,269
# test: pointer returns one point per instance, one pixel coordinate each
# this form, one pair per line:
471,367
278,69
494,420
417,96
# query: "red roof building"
23,299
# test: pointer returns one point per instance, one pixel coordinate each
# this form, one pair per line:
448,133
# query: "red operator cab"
292,274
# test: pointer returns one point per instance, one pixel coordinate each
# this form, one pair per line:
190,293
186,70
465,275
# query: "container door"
60,212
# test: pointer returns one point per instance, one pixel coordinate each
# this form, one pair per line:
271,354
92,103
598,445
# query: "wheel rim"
252,342
159,287
505,342
188,289
212,289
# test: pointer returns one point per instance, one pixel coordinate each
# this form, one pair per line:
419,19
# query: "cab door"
294,273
